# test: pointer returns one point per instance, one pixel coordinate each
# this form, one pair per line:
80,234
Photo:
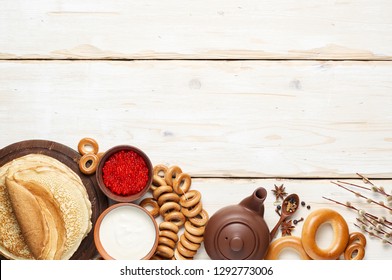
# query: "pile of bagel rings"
349,245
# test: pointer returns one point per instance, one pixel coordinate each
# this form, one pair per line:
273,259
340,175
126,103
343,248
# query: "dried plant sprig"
369,200
374,235
379,220
360,211
369,223
374,188
374,225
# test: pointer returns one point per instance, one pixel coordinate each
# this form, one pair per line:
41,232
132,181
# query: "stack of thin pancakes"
45,212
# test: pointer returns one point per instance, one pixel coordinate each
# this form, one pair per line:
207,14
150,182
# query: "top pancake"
54,186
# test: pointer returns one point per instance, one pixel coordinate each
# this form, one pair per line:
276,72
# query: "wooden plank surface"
217,119
277,109
250,29
219,193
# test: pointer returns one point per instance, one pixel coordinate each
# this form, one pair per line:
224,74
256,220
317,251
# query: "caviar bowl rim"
99,174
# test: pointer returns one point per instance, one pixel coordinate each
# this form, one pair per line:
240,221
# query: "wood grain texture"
215,118
219,193
224,29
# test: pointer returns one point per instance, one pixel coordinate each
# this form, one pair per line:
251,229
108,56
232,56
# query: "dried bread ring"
190,198
188,244
354,251
169,226
166,241
357,237
160,191
193,211
167,197
173,172
160,170
88,163
193,238
202,221
157,182
88,146
169,234
156,258
184,251
150,202
286,242
197,231
164,251
176,218
169,207
178,256
340,234
182,183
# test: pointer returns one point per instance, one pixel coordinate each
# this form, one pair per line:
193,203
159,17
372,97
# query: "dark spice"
297,221
279,192
287,227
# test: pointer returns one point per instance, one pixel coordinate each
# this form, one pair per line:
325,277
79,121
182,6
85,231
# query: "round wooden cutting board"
69,157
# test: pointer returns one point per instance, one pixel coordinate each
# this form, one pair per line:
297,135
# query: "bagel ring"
88,146
357,237
193,238
178,256
202,221
354,251
171,173
164,251
197,231
161,190
286,242
160,170
153,203
169,234
193,211
176,218
167,197
169,207
190,198
182,183
157,182
166,241
185,251
168,226
188,244
88,163
340,234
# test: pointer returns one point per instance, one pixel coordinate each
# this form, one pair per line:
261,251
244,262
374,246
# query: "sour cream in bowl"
126,231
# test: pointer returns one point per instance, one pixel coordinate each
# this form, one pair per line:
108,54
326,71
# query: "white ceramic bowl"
126,231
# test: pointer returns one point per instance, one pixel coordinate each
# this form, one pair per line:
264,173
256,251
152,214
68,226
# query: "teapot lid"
236,241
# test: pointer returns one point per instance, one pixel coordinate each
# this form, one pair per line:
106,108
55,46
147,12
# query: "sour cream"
127,232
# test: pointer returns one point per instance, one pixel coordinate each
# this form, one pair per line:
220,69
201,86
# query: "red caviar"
125,173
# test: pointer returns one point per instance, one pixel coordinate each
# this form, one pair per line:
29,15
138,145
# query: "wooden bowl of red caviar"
124,173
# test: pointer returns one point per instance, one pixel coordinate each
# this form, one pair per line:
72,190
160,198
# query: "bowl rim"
101,250
99,173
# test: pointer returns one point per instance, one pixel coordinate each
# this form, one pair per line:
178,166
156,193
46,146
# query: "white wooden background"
240,94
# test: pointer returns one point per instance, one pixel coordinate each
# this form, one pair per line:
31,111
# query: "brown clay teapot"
239,232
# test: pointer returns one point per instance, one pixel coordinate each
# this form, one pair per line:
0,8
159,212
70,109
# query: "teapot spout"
255,202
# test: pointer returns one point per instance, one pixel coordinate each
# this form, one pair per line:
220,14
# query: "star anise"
287,227
279,192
